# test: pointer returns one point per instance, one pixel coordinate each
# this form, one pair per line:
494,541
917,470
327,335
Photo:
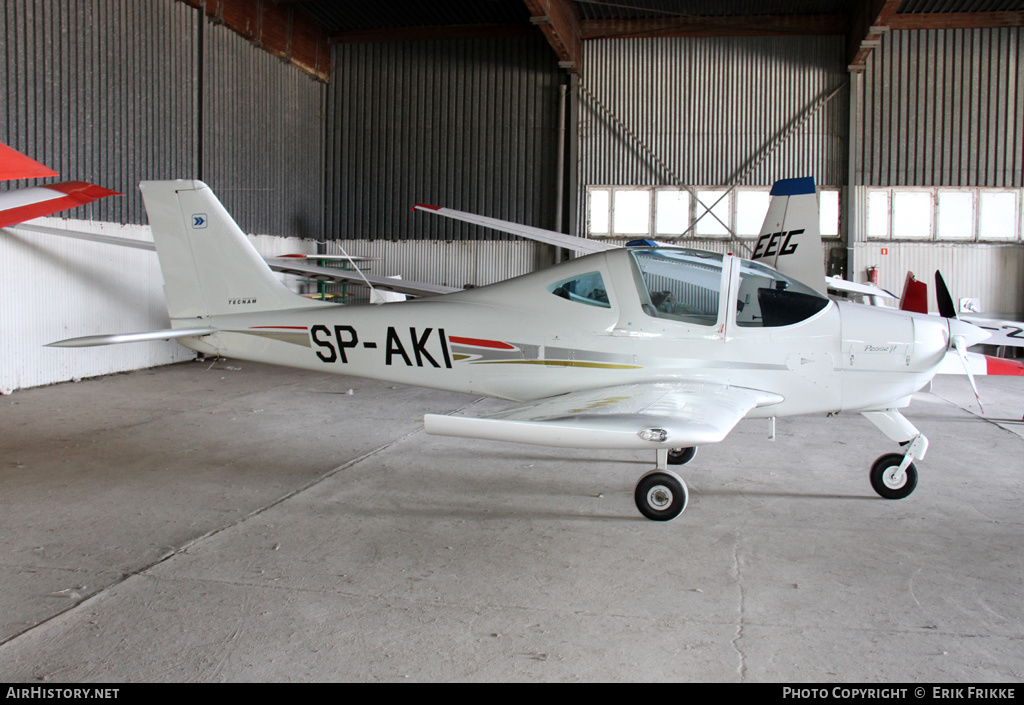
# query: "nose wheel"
661,495
893,476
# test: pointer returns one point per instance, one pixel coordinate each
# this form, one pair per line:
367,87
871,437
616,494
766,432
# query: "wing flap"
689,414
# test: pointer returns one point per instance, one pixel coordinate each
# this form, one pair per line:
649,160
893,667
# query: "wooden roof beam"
867,25
412,34
560,24
280,30
734,26
957,20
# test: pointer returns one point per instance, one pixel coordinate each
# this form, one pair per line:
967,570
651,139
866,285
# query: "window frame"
694,210
934,232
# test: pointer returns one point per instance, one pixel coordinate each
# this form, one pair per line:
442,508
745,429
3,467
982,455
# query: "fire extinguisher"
873,275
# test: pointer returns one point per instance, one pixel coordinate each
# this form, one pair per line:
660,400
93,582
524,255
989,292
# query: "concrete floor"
238,522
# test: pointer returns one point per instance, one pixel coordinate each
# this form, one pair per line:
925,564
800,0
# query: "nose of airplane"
971,333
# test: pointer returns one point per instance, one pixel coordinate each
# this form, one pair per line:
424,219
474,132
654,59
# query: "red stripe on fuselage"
476,342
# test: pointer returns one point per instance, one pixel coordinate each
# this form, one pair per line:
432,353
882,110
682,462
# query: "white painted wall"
992,273
53,287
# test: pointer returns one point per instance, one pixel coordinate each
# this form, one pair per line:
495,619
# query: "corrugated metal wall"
101,91
458,263
945,108
708,106
994,274
469,124
263,137
108,91
56,287
115,92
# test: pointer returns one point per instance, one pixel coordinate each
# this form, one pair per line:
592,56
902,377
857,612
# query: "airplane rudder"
209,259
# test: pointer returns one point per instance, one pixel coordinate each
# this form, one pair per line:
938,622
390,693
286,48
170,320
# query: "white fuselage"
515,340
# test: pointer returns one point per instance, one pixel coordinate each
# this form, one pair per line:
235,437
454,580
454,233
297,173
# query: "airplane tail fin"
915,295
790,238
208,264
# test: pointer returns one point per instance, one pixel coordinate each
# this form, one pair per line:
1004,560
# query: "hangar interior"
323,123
319,124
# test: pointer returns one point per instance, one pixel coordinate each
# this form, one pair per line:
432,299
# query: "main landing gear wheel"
661,496
886,478
681,456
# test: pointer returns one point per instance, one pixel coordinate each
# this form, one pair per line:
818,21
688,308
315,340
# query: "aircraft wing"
687,413
550,237
1004,332
15,165
289,264
94,237
36,201
299,268
979,364
848,287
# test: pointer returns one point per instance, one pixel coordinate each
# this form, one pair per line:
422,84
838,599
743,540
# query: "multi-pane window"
667,212
947,214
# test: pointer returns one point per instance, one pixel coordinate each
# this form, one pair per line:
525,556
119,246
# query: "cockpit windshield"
679,284
686,285
769,299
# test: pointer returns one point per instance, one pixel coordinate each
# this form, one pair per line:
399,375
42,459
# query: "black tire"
881,478
681,456
660,496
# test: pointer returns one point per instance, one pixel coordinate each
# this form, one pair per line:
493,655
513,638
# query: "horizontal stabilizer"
94,340
550,237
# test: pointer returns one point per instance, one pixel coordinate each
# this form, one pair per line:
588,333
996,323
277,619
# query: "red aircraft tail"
915,295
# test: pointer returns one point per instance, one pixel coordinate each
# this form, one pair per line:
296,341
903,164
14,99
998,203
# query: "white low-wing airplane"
657,348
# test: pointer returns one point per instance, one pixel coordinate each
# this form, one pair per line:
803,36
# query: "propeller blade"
960,343
942,296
